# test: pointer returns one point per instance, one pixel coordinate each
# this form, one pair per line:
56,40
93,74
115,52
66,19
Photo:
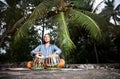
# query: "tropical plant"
111,11
61,13
8,16
86,5
12,15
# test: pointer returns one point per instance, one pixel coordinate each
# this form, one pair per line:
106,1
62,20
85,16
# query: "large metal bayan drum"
52,62
38,62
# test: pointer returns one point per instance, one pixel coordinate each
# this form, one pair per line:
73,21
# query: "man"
46,49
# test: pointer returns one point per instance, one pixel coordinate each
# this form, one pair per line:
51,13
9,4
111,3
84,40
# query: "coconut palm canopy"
61,13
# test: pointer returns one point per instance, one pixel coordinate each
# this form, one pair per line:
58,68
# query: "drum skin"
62,63
52,61
30,64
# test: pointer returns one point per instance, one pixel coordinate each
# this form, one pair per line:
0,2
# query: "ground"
61,74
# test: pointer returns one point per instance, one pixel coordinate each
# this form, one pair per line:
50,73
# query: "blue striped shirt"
46,51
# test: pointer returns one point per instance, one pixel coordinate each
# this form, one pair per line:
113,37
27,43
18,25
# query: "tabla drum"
38,62
52,62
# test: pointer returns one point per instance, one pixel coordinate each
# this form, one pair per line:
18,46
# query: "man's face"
47,38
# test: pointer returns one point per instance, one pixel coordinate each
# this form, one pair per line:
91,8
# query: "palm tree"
61,13
9,15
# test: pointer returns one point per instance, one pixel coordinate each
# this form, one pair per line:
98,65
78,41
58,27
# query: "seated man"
46,49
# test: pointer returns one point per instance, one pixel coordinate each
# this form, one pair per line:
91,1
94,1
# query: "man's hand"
38,53
53,54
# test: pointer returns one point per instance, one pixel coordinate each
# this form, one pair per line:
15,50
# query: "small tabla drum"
52,62
38,62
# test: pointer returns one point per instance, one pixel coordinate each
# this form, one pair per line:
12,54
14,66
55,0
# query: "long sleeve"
57,50
37,49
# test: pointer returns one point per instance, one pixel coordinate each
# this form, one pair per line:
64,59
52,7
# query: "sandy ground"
60,74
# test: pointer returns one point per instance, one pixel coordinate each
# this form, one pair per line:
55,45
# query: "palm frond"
83,4
118,7
65,42
85,21
96,8
100,20
39,12
17,24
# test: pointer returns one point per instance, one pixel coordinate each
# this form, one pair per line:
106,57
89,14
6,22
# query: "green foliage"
85,21
40,10
83,4
60,18
11,17
64,40
111,11
20,52
74,28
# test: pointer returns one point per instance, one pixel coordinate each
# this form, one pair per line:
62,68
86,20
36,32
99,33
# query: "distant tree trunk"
43,30
96,53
